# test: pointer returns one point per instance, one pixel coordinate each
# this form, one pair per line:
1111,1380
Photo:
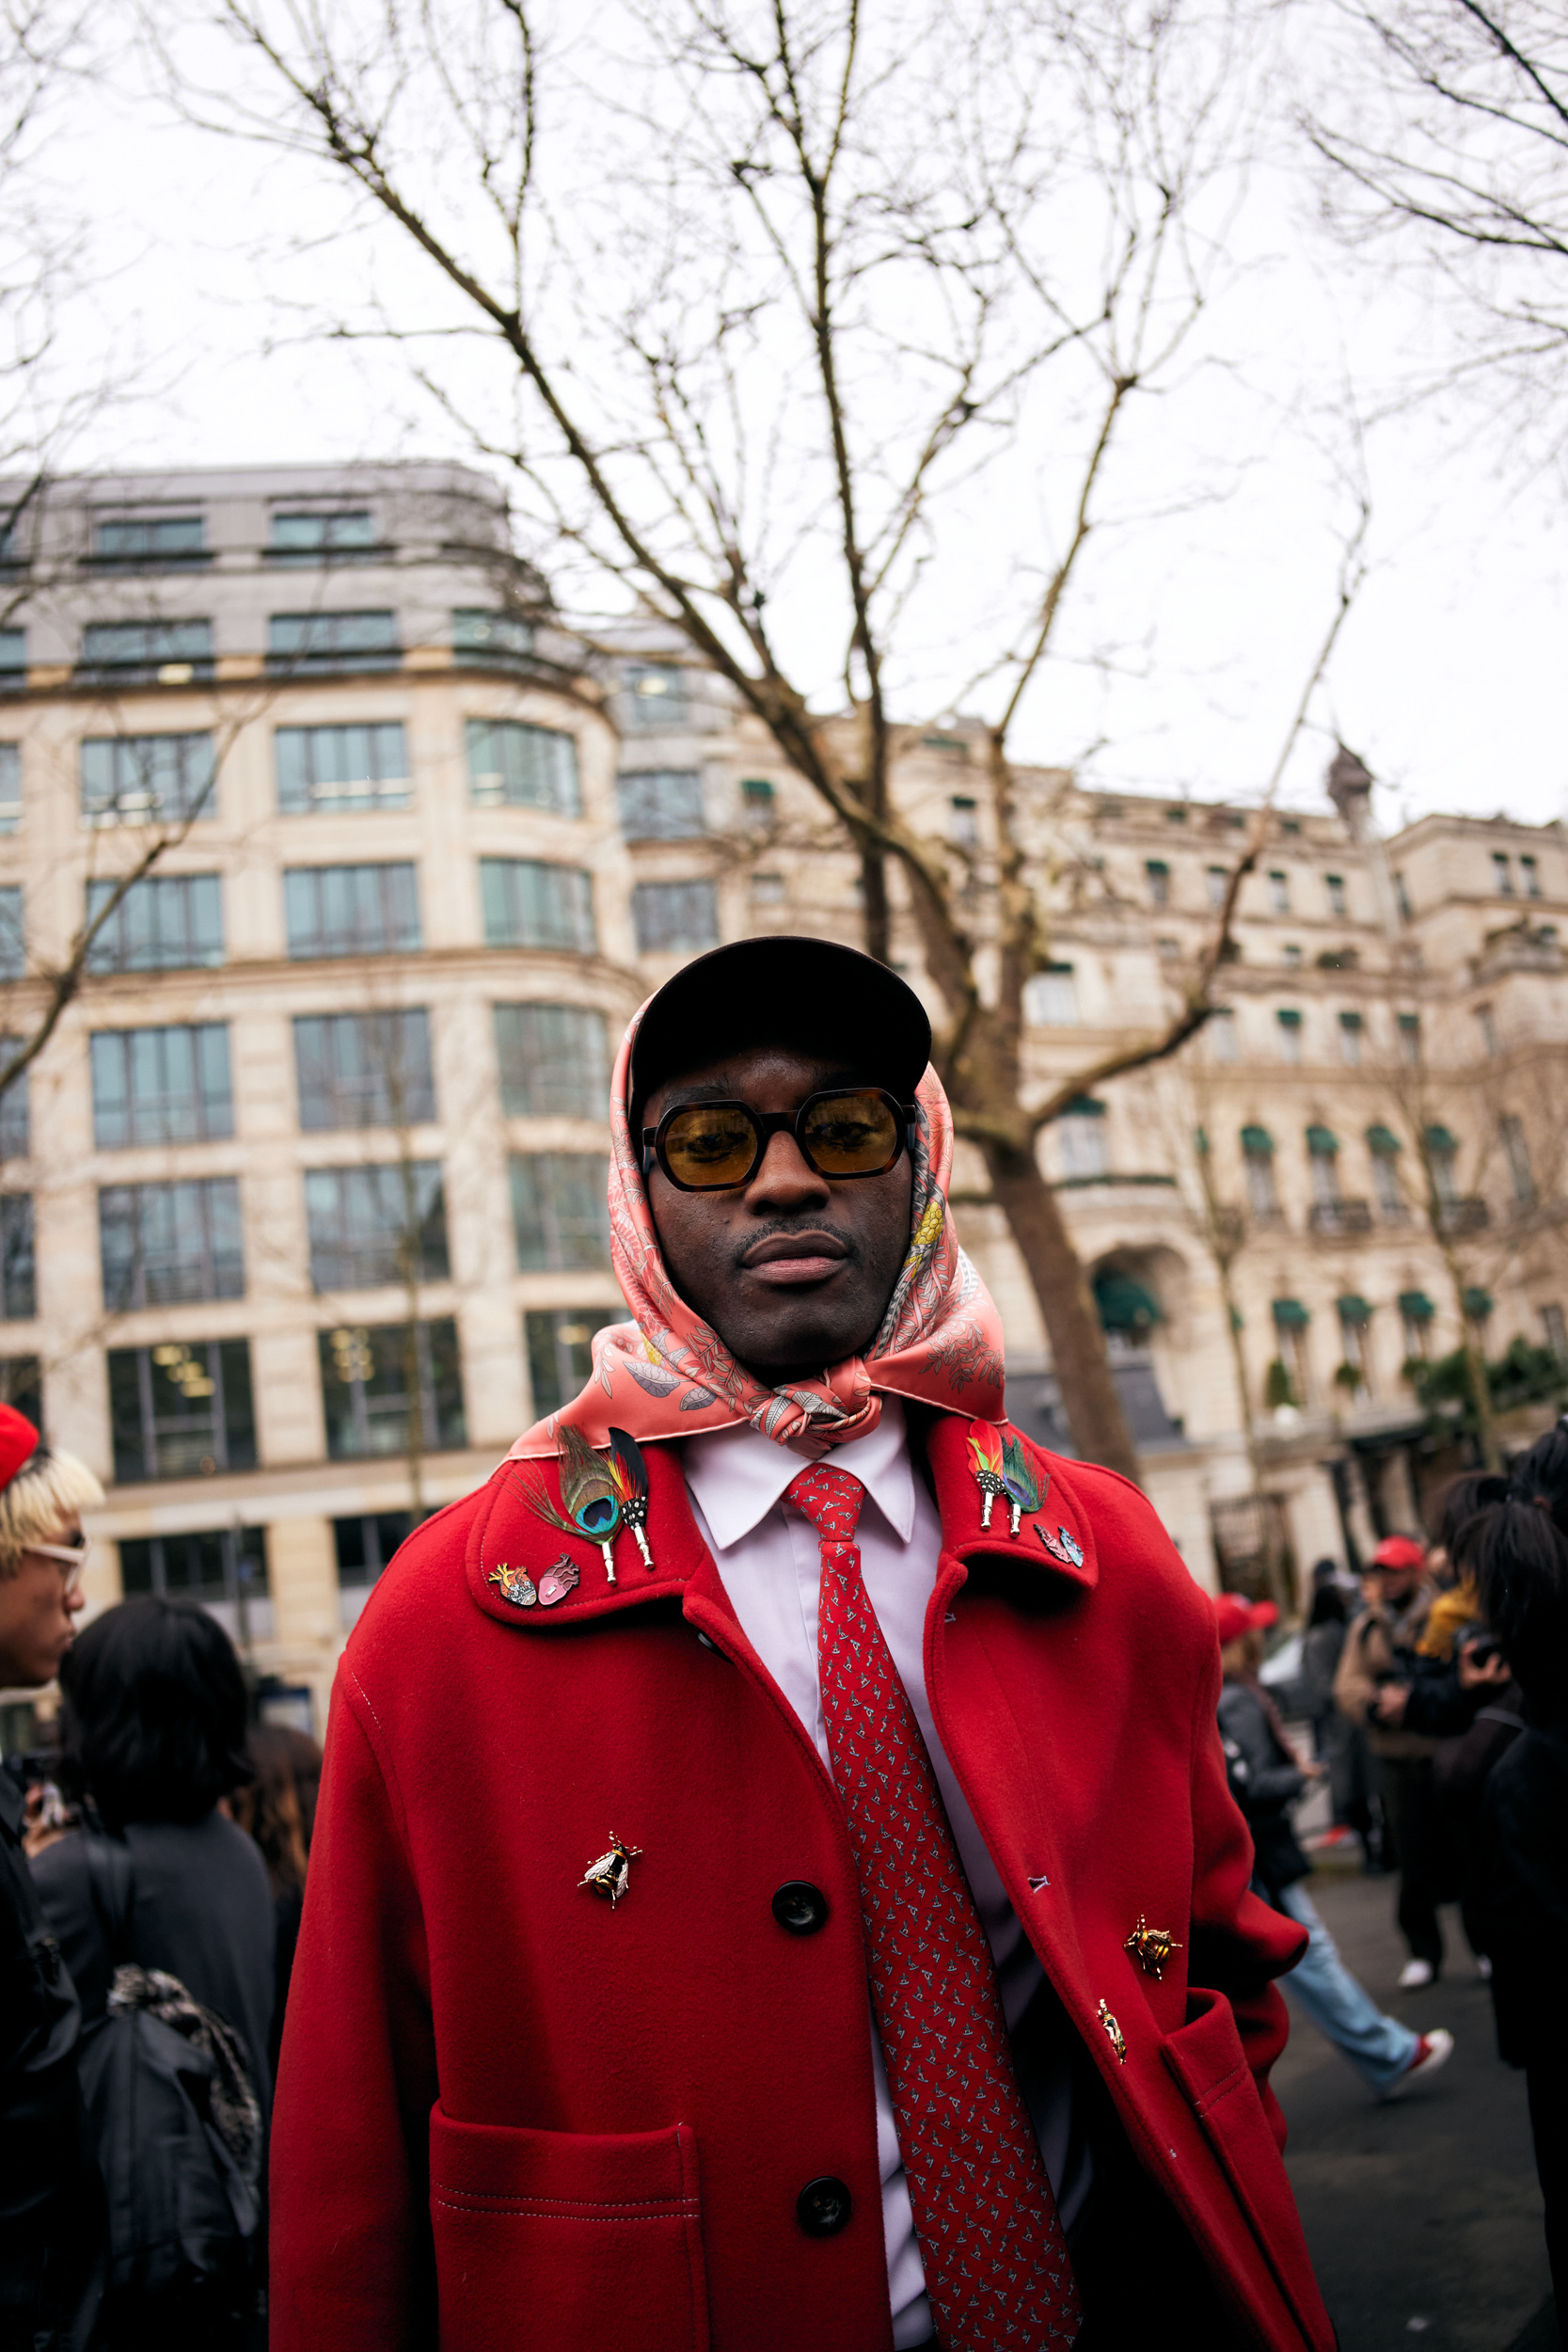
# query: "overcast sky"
1449,680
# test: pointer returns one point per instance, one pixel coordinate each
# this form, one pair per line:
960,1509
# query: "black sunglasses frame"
765,1125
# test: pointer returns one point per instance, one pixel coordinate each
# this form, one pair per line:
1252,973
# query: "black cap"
810,995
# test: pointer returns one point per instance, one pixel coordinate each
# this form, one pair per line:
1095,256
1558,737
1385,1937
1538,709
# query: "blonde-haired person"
51,2204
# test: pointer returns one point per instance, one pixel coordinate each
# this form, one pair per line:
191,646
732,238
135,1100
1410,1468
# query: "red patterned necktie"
997,2269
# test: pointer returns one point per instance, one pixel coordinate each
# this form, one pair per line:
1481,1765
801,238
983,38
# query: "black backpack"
173,2114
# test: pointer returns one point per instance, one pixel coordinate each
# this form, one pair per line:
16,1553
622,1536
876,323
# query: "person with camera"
51,2201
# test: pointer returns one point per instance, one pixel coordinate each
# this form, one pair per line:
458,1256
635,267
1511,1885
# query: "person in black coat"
51,2199
155,1715
1515,1539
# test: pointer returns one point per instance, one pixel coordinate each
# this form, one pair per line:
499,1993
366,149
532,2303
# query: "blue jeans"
1378,2046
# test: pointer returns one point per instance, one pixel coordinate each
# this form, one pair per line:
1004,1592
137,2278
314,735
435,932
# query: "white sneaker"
1434,2050
1415,1974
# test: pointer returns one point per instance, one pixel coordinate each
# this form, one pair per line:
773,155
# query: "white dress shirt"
768,1557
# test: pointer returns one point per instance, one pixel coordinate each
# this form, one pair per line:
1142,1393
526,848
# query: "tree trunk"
875,918
1089,1395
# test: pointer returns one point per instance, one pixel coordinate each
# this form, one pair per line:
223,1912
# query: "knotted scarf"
668,1373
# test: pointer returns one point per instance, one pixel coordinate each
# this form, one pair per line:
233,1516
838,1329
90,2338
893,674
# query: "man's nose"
75,1599
785,1179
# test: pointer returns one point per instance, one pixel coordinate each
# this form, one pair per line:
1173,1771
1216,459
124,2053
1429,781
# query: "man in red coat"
774,1879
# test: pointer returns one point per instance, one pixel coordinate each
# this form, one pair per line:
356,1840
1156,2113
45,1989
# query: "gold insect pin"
1152,1948
1113,2033
611,1873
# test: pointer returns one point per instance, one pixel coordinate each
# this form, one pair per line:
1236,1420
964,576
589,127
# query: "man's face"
38,1607
793,1270
1389,1588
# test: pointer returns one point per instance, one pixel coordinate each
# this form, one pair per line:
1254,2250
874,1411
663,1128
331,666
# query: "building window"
351,911
1290,1026
340,772
1417,1313
225,1568
10,787
757,801
1410,1039
1258,1160
514,766
21,1385
1355,1370
1556,1332
1051,998
1218,879
769,890
1279,892
150,542
318,644
559,1216
490,639
161,1244
1401,899
1383,1146
554,1062
1503,872
1487,1023
346,535
1157,874
18,1295
1167,949
529,904
1532,873
371,1226
1322,1152
1350,1040
367,1388
132,779
1335,886
1081,1131
365,1546
169,923
1176,815
13,1106
364,1069
558,1342
655,694
1442,1151
180,1411
1222,1042
1477,1304
1291,955
161,1086
1291,1320
132,653
675,916
1516,1151
661,805
963,821
13,943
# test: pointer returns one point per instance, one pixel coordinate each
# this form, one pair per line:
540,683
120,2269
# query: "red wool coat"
569,2124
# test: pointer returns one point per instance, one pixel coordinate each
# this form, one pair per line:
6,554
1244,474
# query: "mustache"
788,1226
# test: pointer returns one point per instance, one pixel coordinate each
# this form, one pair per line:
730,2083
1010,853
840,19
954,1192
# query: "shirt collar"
739,1475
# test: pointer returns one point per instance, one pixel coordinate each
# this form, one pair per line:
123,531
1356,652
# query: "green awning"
1416,1307
1322,1142
1478,1303
1124,1305
1084,1106
1353,1309
1383,1141
1200,1142
1288,1019
1155,866
1290,1315
1442,1143
1350,1020
1258,1143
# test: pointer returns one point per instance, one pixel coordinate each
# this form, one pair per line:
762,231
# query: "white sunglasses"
73,1556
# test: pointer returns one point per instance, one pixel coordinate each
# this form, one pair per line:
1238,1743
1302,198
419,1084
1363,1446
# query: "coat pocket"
1208,2061
566,2240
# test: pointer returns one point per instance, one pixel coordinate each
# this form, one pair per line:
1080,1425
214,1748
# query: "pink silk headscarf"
668,1373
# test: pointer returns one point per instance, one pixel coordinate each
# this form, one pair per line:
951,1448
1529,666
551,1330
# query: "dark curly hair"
155,1712
1510,1532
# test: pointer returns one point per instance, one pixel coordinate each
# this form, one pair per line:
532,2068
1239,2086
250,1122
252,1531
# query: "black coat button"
823,2207
801,1907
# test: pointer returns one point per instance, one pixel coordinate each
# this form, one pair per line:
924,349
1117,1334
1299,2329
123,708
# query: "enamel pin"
1113,2033
514,1585
1061,1546
1152,1948
557,1581
611,1874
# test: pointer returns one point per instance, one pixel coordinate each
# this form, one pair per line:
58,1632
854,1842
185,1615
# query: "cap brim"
810,995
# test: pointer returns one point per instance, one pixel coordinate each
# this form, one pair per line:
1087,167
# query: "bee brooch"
611,1873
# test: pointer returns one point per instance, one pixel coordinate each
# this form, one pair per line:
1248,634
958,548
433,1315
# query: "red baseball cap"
1234,1616
1398,1551
19,1442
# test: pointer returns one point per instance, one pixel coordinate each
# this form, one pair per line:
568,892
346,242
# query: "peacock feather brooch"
600,1496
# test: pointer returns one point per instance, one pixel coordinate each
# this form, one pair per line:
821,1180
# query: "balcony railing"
1463,1216
1334,1218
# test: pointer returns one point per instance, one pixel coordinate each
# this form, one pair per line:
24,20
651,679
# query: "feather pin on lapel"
630,1475
986,1446
1023,1492
590,1493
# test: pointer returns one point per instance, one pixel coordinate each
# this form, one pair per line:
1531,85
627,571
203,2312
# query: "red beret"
1398,1551
1234,1616
19,1442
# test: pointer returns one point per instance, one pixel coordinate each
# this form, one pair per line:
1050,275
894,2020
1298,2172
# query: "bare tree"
824,271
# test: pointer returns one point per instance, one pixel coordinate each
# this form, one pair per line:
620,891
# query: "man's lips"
785,1257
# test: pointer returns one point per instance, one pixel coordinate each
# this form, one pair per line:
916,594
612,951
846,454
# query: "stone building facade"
301,1205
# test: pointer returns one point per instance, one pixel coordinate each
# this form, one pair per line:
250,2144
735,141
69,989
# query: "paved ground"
1424,2215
